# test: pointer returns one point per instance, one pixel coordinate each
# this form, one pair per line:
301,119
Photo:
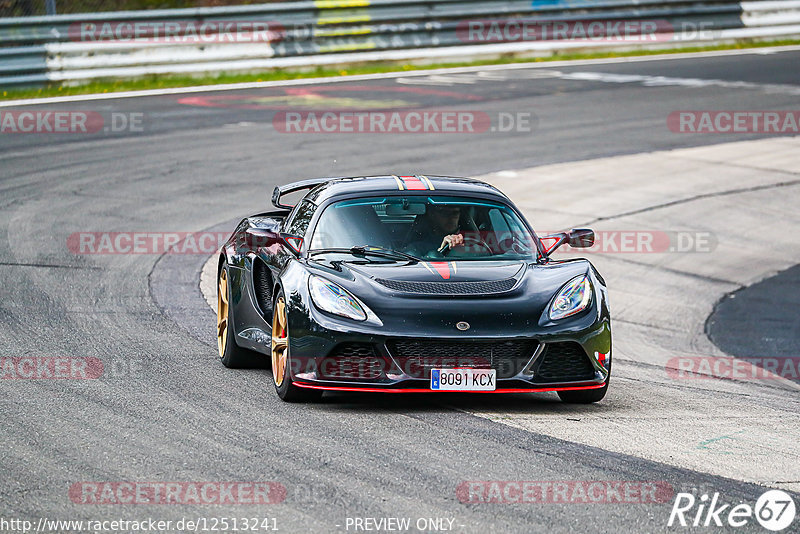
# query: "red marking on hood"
443,268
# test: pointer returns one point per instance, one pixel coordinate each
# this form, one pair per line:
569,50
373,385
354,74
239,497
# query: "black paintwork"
519,313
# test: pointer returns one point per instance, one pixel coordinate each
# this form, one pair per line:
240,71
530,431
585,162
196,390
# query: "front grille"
450,288
417,357
353,361
564,362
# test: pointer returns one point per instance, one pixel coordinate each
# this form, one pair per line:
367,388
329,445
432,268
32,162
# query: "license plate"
463,379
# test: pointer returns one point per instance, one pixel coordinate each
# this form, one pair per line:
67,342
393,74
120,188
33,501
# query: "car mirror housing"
576,238
255,238
581,238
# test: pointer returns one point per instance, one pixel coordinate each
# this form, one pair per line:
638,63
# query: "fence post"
50,6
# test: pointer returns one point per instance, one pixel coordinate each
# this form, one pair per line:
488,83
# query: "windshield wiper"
387,252
368,250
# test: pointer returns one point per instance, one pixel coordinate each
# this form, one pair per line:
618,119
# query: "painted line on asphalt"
608,77
388,76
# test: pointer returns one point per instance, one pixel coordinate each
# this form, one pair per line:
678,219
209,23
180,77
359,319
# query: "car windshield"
428,227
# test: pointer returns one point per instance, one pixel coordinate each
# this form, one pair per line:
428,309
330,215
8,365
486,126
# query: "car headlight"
334,299
574,297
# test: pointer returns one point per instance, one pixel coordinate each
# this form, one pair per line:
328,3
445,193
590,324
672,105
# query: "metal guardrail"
258,37
322,15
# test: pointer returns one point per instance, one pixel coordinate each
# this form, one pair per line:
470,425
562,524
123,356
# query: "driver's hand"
454,240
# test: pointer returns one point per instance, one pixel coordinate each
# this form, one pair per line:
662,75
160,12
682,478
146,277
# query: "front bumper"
372,389
331,354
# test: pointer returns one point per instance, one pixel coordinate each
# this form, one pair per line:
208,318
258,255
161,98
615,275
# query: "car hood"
498,298
470,278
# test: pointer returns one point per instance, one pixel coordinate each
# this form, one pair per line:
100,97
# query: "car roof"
389,183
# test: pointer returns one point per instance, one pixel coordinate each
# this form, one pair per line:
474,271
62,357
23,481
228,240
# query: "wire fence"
34,8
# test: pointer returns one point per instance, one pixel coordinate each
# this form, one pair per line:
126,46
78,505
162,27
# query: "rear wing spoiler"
291,188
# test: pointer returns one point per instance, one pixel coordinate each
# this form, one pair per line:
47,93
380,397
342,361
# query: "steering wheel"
472,239
515,244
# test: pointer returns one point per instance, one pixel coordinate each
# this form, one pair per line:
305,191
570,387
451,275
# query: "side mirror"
256,238
576,238
552,242
293,242
581,238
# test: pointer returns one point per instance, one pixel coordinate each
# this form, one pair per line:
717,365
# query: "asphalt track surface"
757,310
165,410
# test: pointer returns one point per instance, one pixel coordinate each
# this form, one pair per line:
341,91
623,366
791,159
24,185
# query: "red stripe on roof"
413,183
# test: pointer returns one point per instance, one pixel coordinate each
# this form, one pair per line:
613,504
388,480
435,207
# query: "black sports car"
410,284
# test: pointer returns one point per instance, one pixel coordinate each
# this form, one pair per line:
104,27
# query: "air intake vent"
354,361
564,362
450,288
262,285
417,358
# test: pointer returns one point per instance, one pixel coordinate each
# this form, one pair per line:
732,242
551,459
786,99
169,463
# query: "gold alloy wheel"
280,342
222,312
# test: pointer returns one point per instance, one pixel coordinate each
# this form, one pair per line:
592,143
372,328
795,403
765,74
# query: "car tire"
280,349
230,354
586,396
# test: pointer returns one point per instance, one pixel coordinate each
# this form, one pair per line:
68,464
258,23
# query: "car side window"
301,217
499,223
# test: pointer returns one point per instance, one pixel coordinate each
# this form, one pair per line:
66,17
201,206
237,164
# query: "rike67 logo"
774,510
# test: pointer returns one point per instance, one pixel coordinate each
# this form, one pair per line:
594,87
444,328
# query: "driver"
437,229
